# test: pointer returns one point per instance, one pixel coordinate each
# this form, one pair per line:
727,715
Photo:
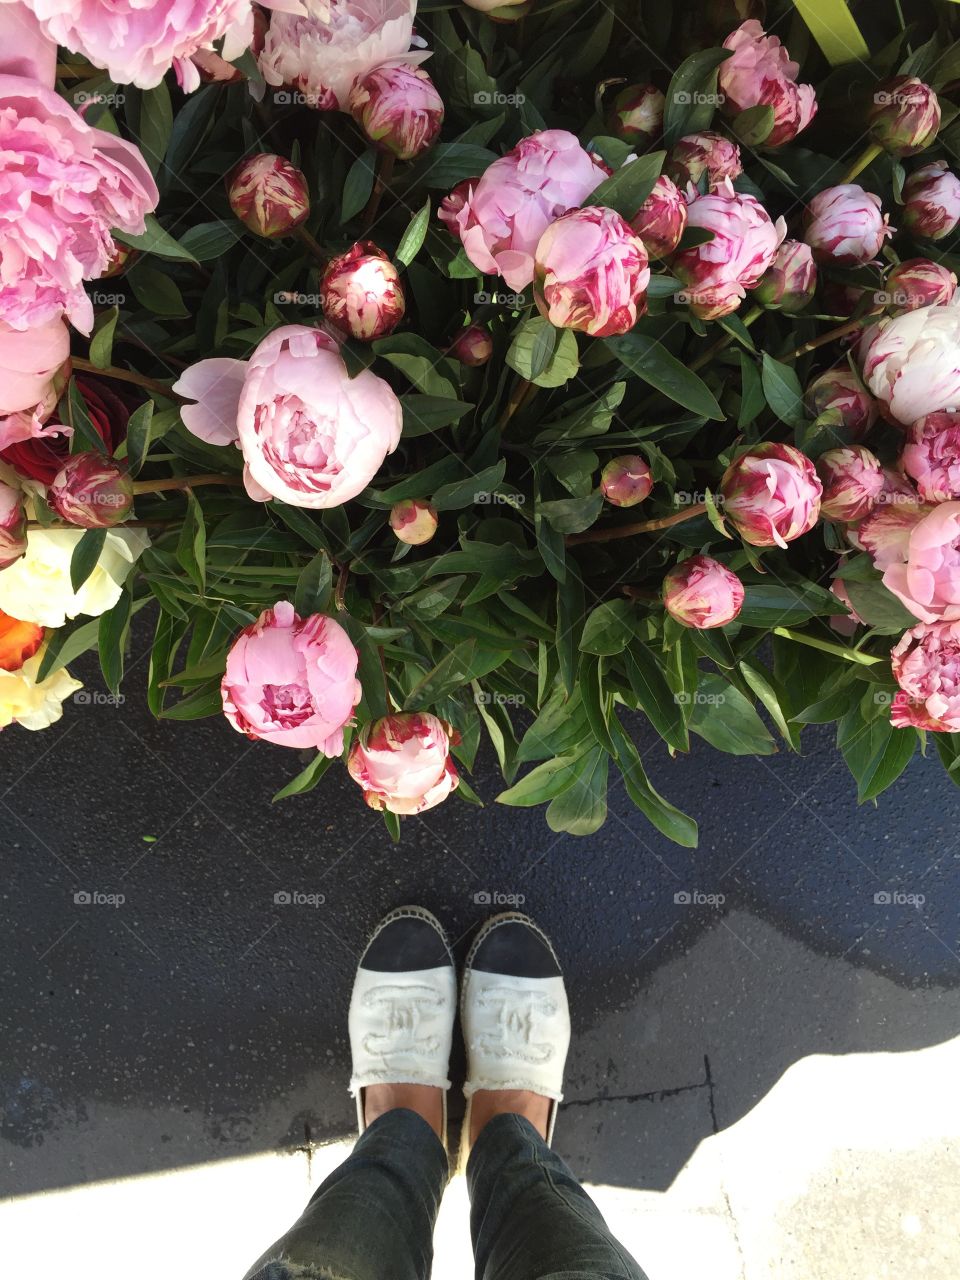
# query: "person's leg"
381,1203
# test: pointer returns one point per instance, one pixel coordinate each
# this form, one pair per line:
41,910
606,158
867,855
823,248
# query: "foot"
516,1025
401,1019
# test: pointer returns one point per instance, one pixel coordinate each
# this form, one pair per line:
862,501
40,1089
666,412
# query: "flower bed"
485,372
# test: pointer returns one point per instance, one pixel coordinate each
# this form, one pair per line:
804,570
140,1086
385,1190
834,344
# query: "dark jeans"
373,1218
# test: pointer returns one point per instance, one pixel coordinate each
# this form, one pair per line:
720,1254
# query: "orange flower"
19,641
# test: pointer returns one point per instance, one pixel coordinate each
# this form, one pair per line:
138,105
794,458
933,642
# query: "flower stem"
753,314
518,396
832,335
866,157
313,245
127,375
380,184
851,655
182,482
644,526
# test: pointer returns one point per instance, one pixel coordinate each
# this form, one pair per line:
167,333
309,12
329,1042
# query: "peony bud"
403,762
918,282
413,521
790,281
841,391
268,195
397,106
771,494
91,491
852,483
13,525
701,592
931,455
452,203
502,10
931,201
661,219
591,273
760,72
637,114
703,153
905,116
362,294
626,480
472,346
844,225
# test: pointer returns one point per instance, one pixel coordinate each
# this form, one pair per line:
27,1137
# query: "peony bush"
493,373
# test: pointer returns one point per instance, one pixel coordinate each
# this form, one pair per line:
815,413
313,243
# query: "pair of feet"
514,1015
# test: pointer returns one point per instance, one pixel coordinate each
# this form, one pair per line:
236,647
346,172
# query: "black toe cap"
405,944
515,948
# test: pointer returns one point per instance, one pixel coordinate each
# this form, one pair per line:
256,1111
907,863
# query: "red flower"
42,457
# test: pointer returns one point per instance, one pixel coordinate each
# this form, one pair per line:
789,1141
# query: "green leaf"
752,399
307,778
423,414
728,721
314,586
581,808
545,782
85,556
465,662
782,604
192,545
596,702
138,436
875,752
369,671
412,239
85,434
783,392
448,163
210,240
156,291
571,515
626,190
543,354
358,185
753,126
655,696
569,622
691,95
156,122
155,240
101,343
674,824
463,493
112,638
205,701
764,686
648,359
879,608
609,628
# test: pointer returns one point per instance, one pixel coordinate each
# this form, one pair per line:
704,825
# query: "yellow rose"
34,706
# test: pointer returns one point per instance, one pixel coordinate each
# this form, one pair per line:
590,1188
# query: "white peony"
31,705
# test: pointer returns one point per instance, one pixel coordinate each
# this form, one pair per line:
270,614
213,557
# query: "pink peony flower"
917,549
397,106
844,225
918,282
931,201
518,196
911,362
637,114
414,521
790,281
905,116
626,480
28,50
842,392
66,187
13,525
362,293
760,72
269,195
311,435
707,153
29,363
661,219
701,592
771,494
403,762
91,491
138,42
472,346
591,273
931,455
291,680
718,273
323,51
926,665
852,483
451,204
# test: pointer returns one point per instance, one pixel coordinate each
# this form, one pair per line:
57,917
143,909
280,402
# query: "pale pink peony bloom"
918,282
66,187
905,116
397,106
403,762
324,51
852,483
931,201
707,153
661,219
472,346
790,281
414,521
917,549
844,623
13,525
926,665
931,456
311,435
29,363
771,494
911,362
138,42
269,195
626,480
362,294
637,114
518,196
842,392
591,273
25,47
718,273
92,491
701,592
844,225
761,73
292,681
